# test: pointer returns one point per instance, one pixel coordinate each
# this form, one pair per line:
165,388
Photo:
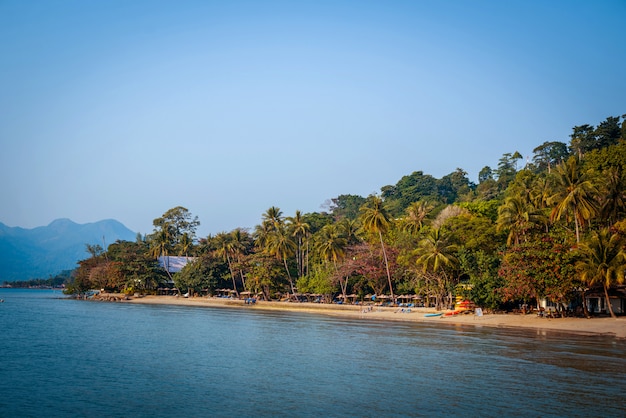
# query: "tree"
517,218
613,196
582,140
435,256
331,247
300,231
415,216
507,167
608,132
539,267
175,230
550,154
346,206
574,195
136,267
280,245
225,248
485,174
602,262
374,220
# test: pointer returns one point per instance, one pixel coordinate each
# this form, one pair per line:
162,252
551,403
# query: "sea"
61,357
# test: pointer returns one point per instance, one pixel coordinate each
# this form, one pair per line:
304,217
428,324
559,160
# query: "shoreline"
580,326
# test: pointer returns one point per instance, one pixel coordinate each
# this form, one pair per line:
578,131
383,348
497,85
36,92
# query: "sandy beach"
592,326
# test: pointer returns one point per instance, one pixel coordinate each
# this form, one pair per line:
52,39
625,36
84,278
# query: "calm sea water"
63,357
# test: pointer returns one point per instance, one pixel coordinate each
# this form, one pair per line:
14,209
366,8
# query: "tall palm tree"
300,230
331,247
239,242
274,216
435,254
280,245
574,196
261,234
224,245
374,220
603,262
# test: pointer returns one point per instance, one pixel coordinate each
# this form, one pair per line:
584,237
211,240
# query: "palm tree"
613,203
350,230
517,218
416,213
239,242
274,216
331,247
374,220
300,230
185,244
435,254
603,261
574,196
280,245
224,244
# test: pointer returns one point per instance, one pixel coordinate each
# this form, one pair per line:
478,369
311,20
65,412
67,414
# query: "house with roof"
174,264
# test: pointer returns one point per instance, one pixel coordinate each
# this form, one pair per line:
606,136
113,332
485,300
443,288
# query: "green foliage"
484,208
346,206
541,267
412,188
483,284
174,232
320,280
199,274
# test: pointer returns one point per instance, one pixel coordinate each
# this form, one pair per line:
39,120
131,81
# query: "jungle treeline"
550,225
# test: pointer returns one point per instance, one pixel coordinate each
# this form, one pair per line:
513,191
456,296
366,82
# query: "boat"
432,314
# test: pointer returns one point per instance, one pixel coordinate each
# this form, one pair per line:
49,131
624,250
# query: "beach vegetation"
550,227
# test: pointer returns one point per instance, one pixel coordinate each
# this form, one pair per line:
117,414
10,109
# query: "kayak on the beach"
433,314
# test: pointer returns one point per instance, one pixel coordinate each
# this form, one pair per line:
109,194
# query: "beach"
590,326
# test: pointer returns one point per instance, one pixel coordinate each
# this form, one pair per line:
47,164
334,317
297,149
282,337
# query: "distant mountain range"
48,250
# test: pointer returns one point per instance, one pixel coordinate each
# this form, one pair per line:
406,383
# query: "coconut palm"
350,230
517,218
613,202
435,252
240,242
300,231
416,213
374,220
274,216
435,255
224,244
603,261
574,195
280,245
331,247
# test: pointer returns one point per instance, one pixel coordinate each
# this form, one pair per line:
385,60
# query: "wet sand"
592,326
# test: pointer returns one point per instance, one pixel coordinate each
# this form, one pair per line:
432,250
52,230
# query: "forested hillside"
550,225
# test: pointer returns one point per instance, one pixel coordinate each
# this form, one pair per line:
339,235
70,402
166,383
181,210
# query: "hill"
47,250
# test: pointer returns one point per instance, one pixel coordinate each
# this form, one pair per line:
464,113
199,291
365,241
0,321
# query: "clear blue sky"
125,109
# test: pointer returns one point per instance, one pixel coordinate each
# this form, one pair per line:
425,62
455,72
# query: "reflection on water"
65,357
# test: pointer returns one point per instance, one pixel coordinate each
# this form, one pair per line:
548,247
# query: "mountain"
47,250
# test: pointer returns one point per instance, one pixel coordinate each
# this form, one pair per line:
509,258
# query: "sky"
123,109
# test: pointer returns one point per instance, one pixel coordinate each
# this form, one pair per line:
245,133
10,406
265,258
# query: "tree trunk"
380,235
608,302
585,310
293,290
230,268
